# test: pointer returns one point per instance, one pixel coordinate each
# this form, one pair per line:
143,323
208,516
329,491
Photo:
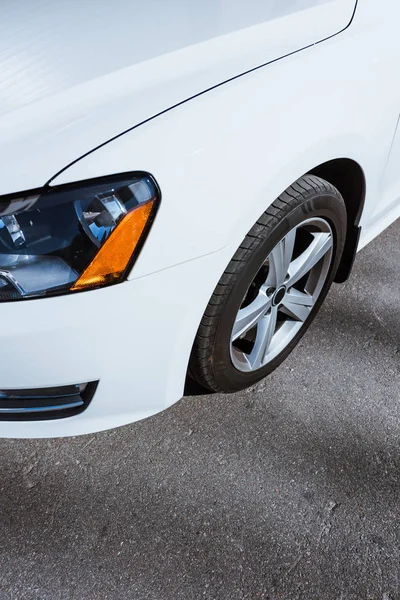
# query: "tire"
222,365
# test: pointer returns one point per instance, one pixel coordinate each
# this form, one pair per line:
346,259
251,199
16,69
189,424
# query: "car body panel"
61,79
220,159
105,335
268,141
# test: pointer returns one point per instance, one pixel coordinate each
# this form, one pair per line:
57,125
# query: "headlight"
73,237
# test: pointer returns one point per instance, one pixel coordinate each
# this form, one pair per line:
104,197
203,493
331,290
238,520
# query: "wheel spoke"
265,330
288,241
297,305
276,260
279,260
320,245
248,317
296,297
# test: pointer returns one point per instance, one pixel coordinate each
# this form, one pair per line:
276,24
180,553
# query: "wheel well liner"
348,177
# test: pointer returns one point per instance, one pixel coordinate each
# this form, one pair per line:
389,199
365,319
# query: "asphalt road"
290,490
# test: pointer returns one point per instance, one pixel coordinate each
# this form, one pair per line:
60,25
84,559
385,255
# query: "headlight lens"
73,237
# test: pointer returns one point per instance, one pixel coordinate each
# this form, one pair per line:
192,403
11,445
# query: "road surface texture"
290,490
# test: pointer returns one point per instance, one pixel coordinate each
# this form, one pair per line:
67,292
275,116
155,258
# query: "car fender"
222,158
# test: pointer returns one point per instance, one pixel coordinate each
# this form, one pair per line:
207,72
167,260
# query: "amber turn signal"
112,259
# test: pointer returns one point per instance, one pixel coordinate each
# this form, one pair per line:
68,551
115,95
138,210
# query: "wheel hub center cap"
279,296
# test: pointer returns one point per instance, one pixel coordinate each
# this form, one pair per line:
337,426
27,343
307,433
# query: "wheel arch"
348,177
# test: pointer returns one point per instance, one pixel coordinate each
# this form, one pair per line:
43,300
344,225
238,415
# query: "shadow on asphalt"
286,491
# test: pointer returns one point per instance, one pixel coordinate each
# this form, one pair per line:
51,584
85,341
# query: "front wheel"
272,288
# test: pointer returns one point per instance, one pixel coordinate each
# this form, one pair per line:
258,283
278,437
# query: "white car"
181,183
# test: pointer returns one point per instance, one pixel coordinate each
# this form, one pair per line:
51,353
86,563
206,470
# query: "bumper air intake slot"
45,403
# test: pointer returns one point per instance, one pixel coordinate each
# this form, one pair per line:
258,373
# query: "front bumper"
134,338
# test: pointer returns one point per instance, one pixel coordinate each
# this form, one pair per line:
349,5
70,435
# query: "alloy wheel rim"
282,295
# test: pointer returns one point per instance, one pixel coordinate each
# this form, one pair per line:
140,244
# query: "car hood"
75,74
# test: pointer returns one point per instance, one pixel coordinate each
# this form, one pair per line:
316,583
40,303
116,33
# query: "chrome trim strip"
41,408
